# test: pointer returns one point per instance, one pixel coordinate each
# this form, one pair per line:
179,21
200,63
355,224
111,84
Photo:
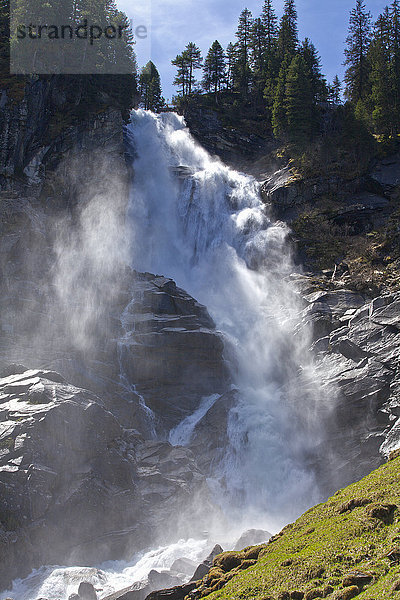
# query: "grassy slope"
322,547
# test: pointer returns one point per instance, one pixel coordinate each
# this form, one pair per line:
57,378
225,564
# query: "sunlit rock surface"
358,357
76,486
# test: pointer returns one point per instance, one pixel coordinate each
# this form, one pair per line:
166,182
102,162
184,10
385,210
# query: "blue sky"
174,23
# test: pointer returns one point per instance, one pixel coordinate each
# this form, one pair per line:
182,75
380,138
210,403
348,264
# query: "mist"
189,217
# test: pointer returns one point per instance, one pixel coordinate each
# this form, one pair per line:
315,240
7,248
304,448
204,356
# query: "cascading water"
204,225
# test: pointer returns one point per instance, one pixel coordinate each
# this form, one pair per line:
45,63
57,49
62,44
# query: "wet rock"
184,565
236,147
86,591
173,353
102,489
204,568
389,315
251,538
175,593
163,580
358,361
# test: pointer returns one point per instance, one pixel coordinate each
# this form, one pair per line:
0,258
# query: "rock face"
157,353
357,354
171,350
39,129
364,201
237,147
75,486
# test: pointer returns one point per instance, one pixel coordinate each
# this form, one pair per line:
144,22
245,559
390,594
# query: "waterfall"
204,224
193,219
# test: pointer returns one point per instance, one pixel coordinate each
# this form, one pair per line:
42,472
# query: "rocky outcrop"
362,203
235,144
357,358
41,131
252,537
170,349
76,486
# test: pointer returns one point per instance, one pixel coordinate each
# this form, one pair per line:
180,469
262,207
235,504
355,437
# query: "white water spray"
60,582
204,225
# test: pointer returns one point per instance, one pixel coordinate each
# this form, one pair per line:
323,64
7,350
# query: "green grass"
352,531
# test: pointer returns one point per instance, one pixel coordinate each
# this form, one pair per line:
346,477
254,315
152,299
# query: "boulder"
204,567
252,537
184,565
162,580
175,593
86,591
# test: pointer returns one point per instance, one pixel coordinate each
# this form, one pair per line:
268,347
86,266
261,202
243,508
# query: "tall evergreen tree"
258,45
270,23
395,58
214,69
336,88
272,59
231,59
150,88
279,115
356,52
242,65
192,54
288,33
382,96
312,63
299,102
182,76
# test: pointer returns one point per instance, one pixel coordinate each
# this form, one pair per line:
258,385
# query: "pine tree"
242,65
231,60
150,88
299,102
269,21
356,52
182,76
192,55
336,90
214,69
382,92
279,116
258,45
312,62
288,34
